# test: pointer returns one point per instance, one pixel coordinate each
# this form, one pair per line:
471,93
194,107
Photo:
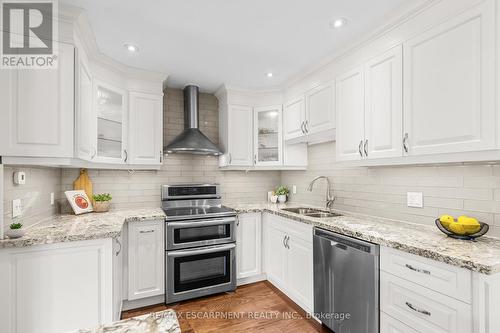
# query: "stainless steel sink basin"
311,212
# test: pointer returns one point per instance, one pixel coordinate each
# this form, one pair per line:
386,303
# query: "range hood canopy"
192,140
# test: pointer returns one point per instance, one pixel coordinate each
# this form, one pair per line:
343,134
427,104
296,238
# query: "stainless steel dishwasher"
346,283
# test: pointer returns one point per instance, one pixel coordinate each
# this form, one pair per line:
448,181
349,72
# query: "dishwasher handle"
345,242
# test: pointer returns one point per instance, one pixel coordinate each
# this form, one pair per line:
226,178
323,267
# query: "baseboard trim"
143,302
251,279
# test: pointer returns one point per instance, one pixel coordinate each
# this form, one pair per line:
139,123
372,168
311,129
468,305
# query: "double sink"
311,212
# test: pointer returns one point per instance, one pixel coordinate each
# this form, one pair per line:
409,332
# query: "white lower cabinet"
117,277
146,251
289,258
391,325
248,245
57,287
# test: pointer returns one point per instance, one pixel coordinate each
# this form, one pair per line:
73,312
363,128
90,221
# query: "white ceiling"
236,42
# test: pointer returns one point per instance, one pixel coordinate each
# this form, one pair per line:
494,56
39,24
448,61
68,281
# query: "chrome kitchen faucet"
330,199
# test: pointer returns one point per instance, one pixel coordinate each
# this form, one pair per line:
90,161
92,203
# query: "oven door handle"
200,223
205,250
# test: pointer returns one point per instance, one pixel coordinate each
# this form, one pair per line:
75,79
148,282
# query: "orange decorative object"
83,183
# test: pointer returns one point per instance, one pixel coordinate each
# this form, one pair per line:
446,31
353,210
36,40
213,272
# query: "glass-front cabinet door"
268,136
111,116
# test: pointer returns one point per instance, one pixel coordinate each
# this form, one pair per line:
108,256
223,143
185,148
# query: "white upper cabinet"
294,117
239,135
84,115
37,109
350,115
449,82
145,128
383,105
268,140
320,109
110,110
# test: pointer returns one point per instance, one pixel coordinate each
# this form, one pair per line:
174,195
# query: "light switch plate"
294,189
415,199
52,199
17,209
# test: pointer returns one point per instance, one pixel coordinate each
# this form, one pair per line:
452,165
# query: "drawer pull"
146,231
424,312
418,270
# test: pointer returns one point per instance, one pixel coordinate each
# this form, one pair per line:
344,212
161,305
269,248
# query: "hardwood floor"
258,307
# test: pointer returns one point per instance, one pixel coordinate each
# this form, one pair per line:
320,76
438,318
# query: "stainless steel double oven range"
200,242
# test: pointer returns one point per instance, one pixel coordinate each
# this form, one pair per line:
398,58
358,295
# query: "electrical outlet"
52,199
415,199
294,189
17,208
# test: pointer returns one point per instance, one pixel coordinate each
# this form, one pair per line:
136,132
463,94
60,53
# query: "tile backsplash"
34,195
470,189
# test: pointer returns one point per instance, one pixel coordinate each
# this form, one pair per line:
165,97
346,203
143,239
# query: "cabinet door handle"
306,126
230,158
405,143
424,312
366,148
302,128
94,153
360,146
146,231
286,242
418,270
255,159
161,156
284,238
126,155
120,249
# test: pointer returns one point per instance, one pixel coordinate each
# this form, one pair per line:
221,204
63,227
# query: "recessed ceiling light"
337,23
269,74
131,48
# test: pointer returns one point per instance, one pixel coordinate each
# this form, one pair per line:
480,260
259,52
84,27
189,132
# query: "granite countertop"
69,228
157,322
482,255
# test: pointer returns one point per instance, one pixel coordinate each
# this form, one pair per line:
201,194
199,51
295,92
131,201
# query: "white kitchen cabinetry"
289,258
320,109
449,85
236,123
145,128
117,277
391,325
146,253
84,113
37,109
350,115
268,136
248,245
294,117
369,109
57,288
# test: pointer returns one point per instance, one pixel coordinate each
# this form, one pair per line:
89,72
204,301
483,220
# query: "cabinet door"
275,256
350,115
38,109
248,242
268,145
384,105
320,109
145,128
146,252
449,80
299,274
391,325
85,131
240,135
117,277
110,120
294,116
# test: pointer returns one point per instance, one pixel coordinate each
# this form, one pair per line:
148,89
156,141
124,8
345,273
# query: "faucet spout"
329,198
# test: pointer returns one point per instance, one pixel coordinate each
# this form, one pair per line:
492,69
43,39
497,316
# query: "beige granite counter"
482,255
69,228
157,322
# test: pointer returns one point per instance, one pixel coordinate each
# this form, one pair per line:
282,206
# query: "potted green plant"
282,193
15,230
102,202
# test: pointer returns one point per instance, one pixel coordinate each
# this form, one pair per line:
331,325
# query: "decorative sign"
79,201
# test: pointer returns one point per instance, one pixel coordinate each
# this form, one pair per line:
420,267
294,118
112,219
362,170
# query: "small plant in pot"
282,193
102,202
15,230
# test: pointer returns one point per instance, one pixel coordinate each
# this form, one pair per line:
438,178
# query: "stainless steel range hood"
192,140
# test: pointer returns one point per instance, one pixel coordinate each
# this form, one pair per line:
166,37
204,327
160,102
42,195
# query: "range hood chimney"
192,140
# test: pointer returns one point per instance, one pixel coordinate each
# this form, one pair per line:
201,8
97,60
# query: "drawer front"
391,325
449,280
293,228
423,309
